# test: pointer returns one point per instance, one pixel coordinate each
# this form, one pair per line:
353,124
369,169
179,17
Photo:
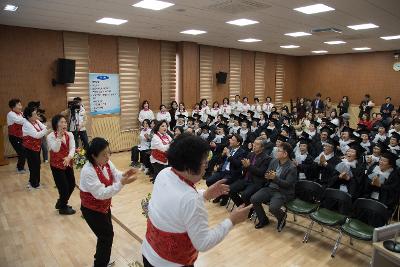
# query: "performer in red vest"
159,146
61,144
32,132
15,120
99,182
177,226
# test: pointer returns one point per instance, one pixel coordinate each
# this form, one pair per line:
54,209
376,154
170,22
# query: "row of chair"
335,209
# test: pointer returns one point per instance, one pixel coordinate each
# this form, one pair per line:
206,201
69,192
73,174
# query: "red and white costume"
177,227
159,146
98,185
60,148
15,120
32,134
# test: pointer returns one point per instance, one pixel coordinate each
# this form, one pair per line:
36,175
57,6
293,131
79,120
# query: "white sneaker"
46,161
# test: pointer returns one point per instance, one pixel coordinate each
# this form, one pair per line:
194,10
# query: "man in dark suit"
387,108
230,165
317,103
281,176
255,166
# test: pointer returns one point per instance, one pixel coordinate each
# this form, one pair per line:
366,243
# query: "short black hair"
186,153
97,145
245,97
288,149
389,98
227,100
318,94
158,125
238,138
162,105
180,128
55,120
78,99
256,99
13,102
28,111
367,96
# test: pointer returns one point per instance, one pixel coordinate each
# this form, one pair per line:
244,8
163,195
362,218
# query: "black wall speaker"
65,71
221,77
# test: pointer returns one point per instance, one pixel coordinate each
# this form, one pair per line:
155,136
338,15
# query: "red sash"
57,158
15,129
32,143
89,201
173,247
158,154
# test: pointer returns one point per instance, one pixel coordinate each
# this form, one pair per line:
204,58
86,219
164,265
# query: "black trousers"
34,161
246,189
84,138
157,167
102,227
16,143
146,263
142,156
65,183
267,195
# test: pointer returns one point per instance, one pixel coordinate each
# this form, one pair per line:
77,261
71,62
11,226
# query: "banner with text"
104,93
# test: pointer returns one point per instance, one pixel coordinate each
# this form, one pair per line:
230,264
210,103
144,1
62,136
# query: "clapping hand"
270,175
129,176
246,163
216,190
322,160
376,182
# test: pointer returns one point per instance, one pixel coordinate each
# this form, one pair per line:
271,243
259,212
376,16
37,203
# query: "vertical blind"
259,74
206,72
168,72
128,62
279,80
76,47
235,68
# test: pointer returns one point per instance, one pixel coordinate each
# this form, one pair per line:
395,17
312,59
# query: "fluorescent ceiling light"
289,46
193,32
363,26
242,22
334,42
10,8
112,21
153,4
249,40
361,48
317,8
393,37
319,51
297,34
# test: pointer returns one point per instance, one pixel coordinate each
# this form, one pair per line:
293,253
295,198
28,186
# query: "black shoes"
66,211
281,222
58,205
261,225
250,213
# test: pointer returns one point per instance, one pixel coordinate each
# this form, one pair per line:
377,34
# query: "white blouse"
156,143
90,182
164,116
146,114
225,110
29,130
257,109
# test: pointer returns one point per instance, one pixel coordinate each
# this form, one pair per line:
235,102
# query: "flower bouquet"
145,205
80,157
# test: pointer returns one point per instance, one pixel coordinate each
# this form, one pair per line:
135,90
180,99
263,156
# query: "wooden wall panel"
247,76
292,71
150,72
350,74
270,62
27,66
189,71
220,63
103,53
